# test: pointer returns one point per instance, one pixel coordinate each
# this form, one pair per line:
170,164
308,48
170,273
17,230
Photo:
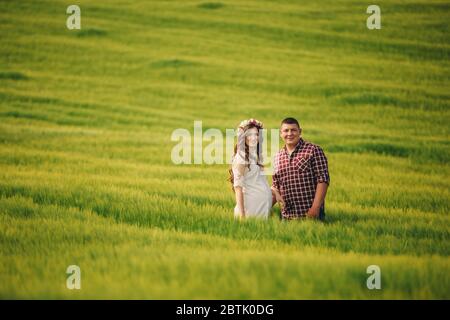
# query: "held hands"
313,212
278,197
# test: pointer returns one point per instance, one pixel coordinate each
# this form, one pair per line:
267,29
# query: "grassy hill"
86,176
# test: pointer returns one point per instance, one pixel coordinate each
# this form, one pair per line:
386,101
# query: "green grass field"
86,176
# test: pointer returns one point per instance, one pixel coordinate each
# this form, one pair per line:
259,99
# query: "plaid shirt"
297,175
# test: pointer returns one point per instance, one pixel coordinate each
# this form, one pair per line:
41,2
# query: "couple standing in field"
299,182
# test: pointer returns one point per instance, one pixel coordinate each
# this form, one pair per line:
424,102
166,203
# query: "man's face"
290,133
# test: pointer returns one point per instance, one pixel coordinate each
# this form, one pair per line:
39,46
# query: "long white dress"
256,190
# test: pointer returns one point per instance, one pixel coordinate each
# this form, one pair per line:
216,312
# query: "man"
301,175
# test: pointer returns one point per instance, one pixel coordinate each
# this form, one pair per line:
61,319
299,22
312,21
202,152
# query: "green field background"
86,176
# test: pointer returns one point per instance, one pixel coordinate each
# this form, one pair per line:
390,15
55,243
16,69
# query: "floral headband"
252,121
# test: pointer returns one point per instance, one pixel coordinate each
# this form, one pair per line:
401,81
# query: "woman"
253,194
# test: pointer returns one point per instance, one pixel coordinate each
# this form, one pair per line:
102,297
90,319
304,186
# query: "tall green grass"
86,177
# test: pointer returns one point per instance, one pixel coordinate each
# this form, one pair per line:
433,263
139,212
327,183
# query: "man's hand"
280,200
313,213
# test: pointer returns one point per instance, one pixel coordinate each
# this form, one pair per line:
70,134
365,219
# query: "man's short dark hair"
290,121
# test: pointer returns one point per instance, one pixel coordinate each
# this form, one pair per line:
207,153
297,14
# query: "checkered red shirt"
297,175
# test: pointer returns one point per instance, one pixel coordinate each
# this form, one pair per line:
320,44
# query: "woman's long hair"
247,156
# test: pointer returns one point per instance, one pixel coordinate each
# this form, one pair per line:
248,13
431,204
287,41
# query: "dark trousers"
322,213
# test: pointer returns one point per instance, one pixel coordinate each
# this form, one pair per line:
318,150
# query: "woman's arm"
238,184
240,201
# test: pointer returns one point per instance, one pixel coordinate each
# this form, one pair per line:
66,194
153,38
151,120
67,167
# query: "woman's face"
251,137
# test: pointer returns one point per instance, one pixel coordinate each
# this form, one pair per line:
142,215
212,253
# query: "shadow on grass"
211,5
422,153
91,32
13,75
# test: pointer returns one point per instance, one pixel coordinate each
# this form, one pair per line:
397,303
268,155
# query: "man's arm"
320,166
276,197
319,198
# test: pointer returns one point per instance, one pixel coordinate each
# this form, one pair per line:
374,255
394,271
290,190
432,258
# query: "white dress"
256,190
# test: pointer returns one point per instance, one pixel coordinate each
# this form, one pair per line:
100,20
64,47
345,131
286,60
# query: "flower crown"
252,121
